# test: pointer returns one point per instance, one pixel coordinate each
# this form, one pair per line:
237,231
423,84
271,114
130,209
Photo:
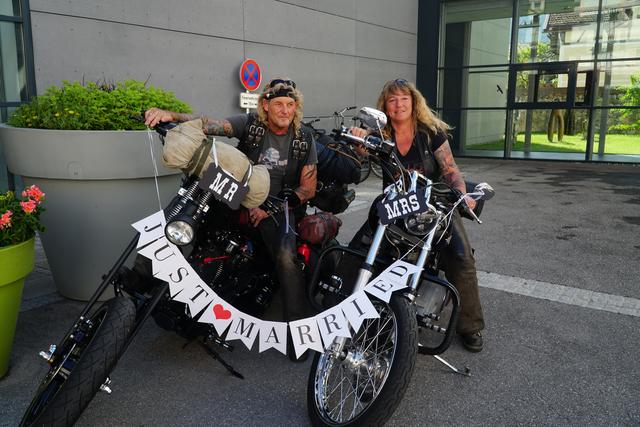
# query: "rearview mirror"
371,118
486,189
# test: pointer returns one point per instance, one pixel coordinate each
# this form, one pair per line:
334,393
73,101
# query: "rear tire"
377,170
365,169
82,366
365,387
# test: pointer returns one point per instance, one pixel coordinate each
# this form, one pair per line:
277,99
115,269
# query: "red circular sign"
250,74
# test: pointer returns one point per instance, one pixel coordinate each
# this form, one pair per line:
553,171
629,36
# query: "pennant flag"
273,335
159,252
305,335
178,273
357,308
150,228
219,314
391,279
197,297
244,328
331,324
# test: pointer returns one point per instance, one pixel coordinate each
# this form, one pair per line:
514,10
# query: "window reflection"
556,30
13,76
10,8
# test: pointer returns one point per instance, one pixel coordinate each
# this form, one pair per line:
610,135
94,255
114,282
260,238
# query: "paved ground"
557,256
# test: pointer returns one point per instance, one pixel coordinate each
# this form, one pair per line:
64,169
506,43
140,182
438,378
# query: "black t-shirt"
412,160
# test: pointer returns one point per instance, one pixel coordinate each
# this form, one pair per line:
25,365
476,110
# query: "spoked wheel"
365,169
366,382
81,365
377,170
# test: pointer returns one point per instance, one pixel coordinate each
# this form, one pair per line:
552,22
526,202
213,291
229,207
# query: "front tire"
82,365
364,386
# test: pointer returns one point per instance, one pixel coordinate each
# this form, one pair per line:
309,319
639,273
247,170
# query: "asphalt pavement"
557,256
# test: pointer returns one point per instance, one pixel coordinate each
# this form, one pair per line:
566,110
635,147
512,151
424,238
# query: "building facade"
539,79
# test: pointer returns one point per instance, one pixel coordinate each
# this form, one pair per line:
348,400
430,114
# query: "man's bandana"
283,90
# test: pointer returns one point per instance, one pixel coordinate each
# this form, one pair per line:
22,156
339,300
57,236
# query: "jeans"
459,266
282,250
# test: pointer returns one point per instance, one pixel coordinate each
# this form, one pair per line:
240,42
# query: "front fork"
366,271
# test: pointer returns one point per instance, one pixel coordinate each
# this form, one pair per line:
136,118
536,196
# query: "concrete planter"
97,183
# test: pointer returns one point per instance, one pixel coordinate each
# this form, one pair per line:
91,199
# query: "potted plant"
19,221
83,146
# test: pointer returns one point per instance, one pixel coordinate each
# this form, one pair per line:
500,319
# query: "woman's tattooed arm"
448,168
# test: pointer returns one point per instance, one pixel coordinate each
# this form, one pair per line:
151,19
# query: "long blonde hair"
293,92
423,117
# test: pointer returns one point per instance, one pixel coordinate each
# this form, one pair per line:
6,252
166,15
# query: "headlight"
179,232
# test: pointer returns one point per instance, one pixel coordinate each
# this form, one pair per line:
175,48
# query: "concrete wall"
339,52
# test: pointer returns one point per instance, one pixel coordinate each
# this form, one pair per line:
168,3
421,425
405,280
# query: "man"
273,137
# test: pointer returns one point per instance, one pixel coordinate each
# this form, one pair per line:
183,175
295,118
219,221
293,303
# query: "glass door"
548,110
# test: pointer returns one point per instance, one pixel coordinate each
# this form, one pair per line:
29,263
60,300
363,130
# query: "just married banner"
315,333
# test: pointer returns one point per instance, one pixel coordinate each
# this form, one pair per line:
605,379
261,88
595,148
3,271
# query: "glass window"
483,132
477,32
556,30
481,87
618,83
620,29
550,131
616,131
13,75
10,7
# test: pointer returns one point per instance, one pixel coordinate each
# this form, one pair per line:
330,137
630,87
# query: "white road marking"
560,293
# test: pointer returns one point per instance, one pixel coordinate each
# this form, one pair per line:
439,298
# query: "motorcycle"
361,380
356,381
228,255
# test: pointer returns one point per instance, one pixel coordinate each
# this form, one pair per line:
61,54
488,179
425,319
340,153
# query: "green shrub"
94,106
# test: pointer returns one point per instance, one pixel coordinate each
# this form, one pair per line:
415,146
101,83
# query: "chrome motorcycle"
361,380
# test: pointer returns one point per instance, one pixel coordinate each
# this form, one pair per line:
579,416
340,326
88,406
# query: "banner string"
155,166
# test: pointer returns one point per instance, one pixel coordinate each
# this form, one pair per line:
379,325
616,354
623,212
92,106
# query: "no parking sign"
250,74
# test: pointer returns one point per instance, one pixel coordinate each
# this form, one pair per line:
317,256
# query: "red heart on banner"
220,312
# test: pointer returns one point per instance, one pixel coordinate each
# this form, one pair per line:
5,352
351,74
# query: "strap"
200,156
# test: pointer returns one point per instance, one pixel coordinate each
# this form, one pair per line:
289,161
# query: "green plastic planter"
16,262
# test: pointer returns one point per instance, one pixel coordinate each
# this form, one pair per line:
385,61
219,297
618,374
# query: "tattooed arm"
450,172
153,116
308,181
217,127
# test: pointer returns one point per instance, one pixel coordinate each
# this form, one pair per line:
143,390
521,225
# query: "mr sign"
402,206
224,186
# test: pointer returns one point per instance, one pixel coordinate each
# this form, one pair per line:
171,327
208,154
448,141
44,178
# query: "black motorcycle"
221,246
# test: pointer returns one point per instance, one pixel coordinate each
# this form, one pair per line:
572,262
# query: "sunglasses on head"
397,82
272,83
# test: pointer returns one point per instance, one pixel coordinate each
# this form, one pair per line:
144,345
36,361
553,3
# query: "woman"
422,145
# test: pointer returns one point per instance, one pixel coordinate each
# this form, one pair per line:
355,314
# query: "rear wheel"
82,364
377,170
365,384
365,169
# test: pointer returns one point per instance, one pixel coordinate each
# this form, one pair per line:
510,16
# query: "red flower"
29,206
5,220
34,193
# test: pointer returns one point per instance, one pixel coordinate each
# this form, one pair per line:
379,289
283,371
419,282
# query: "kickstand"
214,354
466,372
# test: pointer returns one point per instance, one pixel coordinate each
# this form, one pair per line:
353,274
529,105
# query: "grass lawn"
615,144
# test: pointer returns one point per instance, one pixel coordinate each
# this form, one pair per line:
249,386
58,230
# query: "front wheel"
82,365
365,383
